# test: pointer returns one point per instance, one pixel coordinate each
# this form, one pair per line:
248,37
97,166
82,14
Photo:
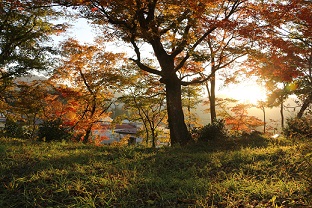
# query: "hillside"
247,173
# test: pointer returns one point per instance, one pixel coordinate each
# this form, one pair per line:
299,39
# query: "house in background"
108,133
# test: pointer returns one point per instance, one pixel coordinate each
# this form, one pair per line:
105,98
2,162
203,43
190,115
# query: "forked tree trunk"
179,133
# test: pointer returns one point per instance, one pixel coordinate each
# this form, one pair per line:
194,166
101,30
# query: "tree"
237,118
146,102
190,99
262,105
174,30
224,46
95,74
24,105
24,30
298,30
61,106
285,52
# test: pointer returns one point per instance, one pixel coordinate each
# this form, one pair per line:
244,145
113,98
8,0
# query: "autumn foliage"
188,42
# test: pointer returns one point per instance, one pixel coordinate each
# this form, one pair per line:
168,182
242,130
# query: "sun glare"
247,93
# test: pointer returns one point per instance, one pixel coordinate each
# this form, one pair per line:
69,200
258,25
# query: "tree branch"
197,80
138,60
182,62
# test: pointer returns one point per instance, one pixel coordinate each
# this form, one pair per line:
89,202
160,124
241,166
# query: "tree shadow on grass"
231,143
122,177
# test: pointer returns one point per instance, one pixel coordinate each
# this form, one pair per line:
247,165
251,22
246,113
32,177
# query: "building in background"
108,133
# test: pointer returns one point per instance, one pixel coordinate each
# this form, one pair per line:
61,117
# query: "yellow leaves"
292,86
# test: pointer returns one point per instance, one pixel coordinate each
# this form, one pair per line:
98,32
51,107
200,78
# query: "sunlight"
246,93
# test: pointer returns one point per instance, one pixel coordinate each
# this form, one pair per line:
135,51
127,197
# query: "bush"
53,131
213,131
299,128
13,129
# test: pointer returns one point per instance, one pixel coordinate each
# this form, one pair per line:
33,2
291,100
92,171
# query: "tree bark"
179,134
212,95
178,129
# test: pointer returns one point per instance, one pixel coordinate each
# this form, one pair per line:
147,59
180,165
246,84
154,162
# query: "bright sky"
246,92
80,30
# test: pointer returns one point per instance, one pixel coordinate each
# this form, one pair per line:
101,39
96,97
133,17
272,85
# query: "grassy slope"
245,174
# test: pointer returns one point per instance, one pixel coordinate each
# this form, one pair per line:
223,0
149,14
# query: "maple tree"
95,75
61,104
174,30
236,116
25,29
284,56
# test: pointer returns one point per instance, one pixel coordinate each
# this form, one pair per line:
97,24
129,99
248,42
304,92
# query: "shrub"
213,131
299,128
53,131
13,129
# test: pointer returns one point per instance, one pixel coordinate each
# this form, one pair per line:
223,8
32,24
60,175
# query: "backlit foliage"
93,76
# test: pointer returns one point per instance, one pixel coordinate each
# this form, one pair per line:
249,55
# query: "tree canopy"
24,32
174,30
183,38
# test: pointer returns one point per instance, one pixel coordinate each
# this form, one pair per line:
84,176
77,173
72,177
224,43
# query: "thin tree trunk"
282,114
264,121
147,136
212,99
153,138
212,95
89,128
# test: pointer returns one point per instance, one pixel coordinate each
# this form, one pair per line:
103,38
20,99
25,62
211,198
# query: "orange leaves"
94,9
240,120
89,75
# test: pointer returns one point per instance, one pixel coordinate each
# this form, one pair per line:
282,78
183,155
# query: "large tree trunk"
178,129
179,134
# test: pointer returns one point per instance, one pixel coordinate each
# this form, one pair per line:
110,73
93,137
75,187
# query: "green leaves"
24,29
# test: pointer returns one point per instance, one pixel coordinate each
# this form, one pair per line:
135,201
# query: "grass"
240,173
